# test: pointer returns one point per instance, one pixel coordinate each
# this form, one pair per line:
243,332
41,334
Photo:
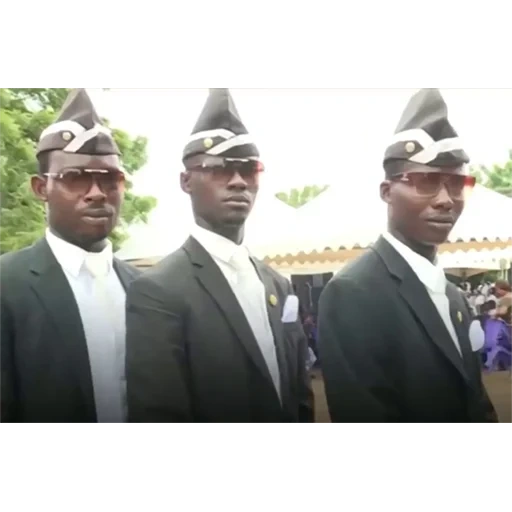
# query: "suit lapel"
216,285
461,321
276,324
419,301
125,274
55,294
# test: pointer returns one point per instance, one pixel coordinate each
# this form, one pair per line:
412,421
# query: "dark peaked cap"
78,129
219,130
424,135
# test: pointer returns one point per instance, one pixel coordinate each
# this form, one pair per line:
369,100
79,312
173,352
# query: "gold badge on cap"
208,143
459,316
67,136
273,300
410,147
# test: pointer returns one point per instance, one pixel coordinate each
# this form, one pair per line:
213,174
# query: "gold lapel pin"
459,316
273,300
208,143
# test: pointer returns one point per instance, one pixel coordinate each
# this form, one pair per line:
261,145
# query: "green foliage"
300,197
497,178
24,114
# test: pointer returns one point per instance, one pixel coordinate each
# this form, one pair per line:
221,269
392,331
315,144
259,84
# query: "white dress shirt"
101,303
236,266
434,280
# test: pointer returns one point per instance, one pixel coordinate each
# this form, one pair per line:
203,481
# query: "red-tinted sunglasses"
429,184
224,168
81,180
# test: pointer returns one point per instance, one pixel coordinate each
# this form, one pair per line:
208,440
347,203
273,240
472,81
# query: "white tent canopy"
349,216
488,259
458,263
269,222
473,262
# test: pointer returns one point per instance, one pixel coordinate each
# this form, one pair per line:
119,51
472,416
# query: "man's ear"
39,187
185,177
385,191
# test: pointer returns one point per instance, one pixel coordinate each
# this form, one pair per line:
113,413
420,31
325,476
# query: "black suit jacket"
46,376
191,355
386,353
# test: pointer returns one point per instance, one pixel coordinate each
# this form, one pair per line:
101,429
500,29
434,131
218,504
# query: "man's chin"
438,234
438,238
90,238
236,218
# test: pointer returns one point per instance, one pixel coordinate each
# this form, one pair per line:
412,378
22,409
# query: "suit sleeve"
306,396
351,343
8,410
489,411
157,374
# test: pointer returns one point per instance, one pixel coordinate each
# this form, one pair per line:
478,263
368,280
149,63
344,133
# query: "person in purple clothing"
498,338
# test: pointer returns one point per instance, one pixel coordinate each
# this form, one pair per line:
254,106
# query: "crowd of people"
491,304
211,333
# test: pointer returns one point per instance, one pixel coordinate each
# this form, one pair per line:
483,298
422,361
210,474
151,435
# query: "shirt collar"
70,257
431,275
218,246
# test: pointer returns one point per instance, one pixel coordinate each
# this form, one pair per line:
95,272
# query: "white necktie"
252,297
242,263
98,266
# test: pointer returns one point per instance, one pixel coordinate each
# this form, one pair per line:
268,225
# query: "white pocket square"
476,336
291,309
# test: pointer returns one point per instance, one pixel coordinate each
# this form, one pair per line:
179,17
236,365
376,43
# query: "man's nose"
443,199
95,192
237,181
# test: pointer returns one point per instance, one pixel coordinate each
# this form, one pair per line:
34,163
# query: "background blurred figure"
497,353
502,289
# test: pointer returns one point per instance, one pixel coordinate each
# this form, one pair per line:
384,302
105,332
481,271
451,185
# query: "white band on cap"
414,135
431,148
239,140
84,137
219,132
63,126
431,152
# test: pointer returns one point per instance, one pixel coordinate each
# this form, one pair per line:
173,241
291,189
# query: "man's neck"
427,251
97,246
233,233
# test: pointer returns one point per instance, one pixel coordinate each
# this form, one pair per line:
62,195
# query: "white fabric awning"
455,263
488,259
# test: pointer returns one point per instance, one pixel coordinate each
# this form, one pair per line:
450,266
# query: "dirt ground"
499,387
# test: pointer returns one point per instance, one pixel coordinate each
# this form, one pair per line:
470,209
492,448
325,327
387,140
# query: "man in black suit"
213,334
394,335
63,299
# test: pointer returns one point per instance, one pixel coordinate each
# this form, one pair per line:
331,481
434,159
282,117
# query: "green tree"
24,114
300,197
497,177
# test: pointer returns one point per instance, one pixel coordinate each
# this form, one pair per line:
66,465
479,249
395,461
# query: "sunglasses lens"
81,181
430,184
248,170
